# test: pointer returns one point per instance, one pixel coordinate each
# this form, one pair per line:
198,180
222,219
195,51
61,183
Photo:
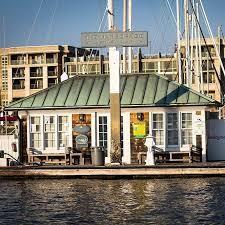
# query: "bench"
166,156
51,158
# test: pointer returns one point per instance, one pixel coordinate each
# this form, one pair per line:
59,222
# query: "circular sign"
81,139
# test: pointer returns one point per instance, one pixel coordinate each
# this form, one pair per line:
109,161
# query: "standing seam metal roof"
93,91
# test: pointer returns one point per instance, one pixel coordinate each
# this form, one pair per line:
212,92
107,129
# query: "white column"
70,130
45,77
126,138
42,133
10,85
27,81
93,130
28,131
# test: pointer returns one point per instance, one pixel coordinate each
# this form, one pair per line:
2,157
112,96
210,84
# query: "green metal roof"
137,90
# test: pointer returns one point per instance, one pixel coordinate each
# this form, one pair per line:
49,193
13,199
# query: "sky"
48,22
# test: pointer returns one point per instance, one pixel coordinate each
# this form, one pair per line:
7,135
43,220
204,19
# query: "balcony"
33,61
36,86
51,60
52,74
18,86
35,74
18,62
18,75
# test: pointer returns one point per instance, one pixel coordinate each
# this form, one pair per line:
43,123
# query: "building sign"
114,39
8,118
139,130
81,141
82,129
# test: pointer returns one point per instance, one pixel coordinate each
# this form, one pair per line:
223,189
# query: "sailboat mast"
200,51
110,15
124,30
180,80
187,42
129,28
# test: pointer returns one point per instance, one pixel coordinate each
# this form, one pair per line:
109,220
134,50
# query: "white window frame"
98,139
53,132
183,129
172,129
67,132
35,132
161,129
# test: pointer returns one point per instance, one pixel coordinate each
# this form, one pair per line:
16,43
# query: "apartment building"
26,70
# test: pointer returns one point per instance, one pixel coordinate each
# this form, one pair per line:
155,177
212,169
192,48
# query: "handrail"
2,153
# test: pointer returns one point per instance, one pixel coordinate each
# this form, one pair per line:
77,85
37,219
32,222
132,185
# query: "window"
121,135
49,129
63,130
186,128
157,130
102,131
35,131
172,129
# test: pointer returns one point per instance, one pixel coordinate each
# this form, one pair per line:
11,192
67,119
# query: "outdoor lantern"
140,116
82,117
1,154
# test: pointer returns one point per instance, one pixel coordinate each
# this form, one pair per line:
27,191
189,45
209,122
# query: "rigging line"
170,8
164,31
99,29
207,47
34,22
158,24
31,30
210,33
51,21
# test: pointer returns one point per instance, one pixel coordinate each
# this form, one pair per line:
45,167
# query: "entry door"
199,141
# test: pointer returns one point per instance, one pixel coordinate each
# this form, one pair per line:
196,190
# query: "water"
169,201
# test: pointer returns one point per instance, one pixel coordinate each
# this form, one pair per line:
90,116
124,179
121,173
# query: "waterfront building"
54,118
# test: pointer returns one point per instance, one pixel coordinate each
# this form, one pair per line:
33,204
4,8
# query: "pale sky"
43,22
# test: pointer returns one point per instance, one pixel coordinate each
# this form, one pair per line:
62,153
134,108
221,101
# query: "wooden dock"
114,172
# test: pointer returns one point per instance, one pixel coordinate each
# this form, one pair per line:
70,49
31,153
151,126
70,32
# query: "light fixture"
82,117
140,116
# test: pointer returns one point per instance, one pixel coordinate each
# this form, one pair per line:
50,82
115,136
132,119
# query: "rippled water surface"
170,201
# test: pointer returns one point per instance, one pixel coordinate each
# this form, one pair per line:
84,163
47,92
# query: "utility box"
216,140
98,156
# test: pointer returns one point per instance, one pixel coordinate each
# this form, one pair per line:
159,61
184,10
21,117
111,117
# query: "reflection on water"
175,201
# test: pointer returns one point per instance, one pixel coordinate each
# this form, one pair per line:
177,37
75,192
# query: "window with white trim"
35,131
172,129
121,135
186,128
157,128
102,131
63,131
49,131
